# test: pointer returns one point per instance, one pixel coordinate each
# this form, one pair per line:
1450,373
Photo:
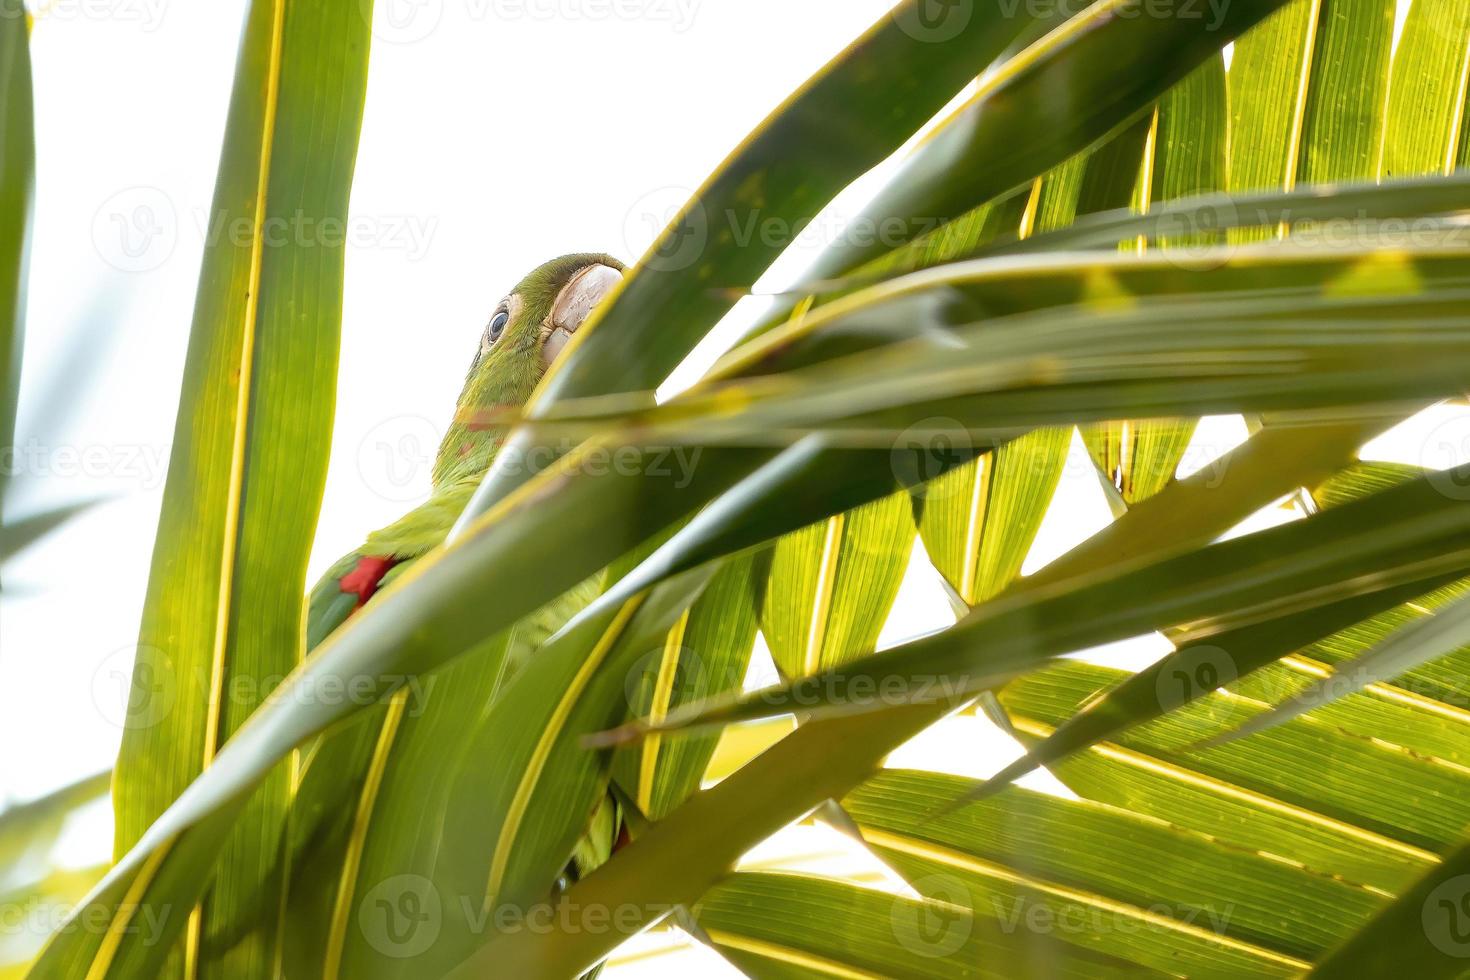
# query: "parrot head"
526,332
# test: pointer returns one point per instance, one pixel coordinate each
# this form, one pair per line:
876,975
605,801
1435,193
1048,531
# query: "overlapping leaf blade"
707,653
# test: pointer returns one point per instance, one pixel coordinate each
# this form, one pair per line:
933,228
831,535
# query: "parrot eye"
497,325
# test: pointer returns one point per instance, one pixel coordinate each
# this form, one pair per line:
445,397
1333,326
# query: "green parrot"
527,331
525,334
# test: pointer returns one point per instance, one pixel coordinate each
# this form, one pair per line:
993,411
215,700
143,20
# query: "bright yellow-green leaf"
833,584
978,521
1428,103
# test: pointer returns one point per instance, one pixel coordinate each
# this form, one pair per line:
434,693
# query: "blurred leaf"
28,831
19,534
33,907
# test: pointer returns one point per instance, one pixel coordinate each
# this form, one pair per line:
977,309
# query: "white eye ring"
497,326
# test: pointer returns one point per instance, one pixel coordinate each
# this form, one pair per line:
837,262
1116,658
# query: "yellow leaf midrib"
658,709
816,634
788,956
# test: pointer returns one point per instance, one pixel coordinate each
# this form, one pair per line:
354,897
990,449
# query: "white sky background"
492,141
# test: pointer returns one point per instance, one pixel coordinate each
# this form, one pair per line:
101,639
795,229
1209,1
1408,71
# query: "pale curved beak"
577,300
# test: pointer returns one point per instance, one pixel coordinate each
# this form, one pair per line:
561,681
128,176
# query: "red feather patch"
363,580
